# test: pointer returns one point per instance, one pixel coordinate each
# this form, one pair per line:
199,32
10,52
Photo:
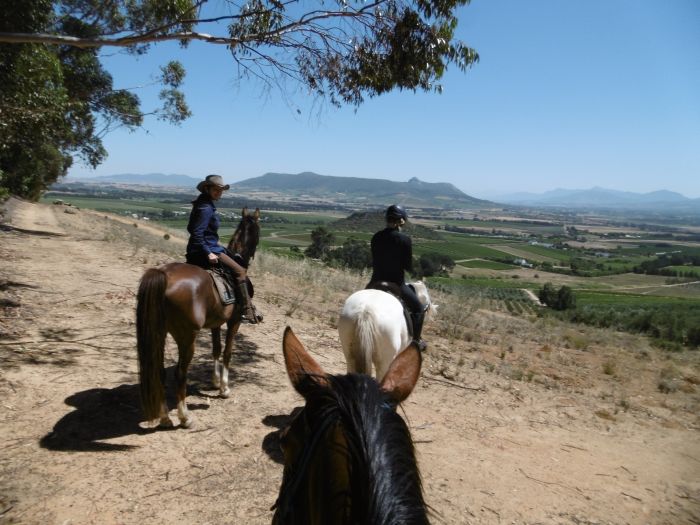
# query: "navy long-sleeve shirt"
392,254
203,227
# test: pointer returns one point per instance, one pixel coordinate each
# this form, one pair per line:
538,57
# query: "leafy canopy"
56,98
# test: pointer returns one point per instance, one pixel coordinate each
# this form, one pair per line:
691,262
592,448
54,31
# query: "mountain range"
312,187
363,192
597,197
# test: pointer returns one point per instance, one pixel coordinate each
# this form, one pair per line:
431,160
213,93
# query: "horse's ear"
244,212
300,365
403,373
256,215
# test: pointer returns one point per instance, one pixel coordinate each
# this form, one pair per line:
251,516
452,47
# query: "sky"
567,94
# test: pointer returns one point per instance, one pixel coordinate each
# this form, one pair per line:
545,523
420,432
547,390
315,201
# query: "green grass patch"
489,265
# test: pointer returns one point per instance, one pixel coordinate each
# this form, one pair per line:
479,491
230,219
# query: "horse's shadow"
271,442
104,413
101,413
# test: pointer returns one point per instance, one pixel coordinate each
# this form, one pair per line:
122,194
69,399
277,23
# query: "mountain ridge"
597,197
309,186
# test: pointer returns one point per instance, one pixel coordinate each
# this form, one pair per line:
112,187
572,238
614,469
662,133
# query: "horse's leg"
185,346
232,327
216,351
165,421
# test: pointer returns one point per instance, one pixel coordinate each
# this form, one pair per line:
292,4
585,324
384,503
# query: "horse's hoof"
225,393
166,422
187,422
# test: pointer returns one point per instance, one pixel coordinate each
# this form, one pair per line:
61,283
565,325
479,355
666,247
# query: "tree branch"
64,40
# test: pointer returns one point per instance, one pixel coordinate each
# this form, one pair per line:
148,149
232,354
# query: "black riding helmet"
396,212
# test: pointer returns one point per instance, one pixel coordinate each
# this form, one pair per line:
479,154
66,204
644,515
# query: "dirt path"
491,449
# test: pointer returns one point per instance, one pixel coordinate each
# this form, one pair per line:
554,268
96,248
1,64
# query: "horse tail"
150,340
364,341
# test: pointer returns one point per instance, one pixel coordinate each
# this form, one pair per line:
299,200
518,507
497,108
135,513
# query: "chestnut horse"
348,456
181,299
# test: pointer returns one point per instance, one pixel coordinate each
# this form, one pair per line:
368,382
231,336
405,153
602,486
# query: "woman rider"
203,248
392,254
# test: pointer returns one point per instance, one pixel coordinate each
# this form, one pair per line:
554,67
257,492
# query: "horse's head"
244,240
348,455
424,297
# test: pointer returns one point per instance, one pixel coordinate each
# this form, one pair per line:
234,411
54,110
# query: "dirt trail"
491,449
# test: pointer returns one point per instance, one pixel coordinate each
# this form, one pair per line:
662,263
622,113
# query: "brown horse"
348,456
181,299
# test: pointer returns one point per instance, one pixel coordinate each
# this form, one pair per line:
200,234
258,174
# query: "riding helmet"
396,212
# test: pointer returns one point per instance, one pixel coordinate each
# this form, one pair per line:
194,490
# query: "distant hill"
308,187
414,193
603,198
146,179
373,221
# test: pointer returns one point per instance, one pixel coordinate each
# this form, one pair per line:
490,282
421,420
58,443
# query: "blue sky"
566,95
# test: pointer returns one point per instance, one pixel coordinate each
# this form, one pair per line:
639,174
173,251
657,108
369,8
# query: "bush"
321,240
562,299
353,254
430,264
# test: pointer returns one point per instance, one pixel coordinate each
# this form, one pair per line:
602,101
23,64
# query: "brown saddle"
223,286
395,290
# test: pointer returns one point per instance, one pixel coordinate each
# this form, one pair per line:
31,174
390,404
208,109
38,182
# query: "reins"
294,475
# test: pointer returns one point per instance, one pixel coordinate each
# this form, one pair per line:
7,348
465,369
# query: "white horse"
372,328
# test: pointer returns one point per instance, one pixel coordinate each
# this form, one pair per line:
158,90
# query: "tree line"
355,254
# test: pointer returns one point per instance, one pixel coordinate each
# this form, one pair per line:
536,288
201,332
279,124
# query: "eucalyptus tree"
53,87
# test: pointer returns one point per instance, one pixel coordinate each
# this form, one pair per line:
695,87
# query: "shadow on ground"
242,367
100,413
271,442
104,413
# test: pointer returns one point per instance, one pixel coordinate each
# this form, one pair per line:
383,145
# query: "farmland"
496,259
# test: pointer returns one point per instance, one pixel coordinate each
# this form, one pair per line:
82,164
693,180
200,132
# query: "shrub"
353,254
321,240
562,299
435,264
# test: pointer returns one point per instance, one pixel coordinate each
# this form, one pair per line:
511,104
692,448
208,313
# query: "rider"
203,248
392,254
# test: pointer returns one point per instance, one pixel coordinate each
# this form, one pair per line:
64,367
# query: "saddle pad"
222,287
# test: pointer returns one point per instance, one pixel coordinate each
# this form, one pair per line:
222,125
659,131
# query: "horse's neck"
392,477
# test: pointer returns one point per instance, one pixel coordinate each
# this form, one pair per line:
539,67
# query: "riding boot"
249,313
417,320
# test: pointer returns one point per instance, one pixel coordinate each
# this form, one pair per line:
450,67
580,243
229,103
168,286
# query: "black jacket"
392,254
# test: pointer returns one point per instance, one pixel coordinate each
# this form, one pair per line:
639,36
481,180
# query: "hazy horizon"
482,195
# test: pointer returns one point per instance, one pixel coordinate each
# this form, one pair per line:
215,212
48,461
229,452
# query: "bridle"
294,475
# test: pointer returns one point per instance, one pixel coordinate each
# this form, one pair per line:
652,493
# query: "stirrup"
251,315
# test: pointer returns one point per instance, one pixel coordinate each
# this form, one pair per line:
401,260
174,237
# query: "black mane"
385,482
247,234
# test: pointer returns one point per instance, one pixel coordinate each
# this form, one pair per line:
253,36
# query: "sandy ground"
576,447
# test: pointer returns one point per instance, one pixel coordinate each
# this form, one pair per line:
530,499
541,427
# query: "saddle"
225,284
395,290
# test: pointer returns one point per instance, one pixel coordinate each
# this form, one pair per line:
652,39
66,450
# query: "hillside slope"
570,445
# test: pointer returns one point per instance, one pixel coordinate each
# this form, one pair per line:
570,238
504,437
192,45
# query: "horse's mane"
385,476
249,231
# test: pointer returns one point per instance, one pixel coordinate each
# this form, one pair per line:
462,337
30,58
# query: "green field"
489,265
540,229
605,294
